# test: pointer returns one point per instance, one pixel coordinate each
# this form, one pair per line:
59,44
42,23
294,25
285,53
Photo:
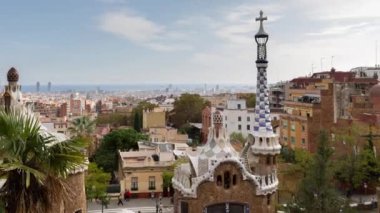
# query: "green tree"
369,166
357,167
82,128
188,108
287,154
303,160
123,139
137,121
35,164
316,192
250,99
114,119
238,137
167,179
96,181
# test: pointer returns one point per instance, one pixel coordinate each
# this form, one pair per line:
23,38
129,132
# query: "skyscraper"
38,86
49,86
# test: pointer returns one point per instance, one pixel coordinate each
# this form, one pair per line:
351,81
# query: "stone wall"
77,196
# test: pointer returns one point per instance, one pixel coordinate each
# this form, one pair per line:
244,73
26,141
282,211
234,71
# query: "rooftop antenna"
312,68
332,59
376,65
322,63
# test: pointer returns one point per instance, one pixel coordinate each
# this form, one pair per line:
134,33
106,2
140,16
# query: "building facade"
322,101
141,172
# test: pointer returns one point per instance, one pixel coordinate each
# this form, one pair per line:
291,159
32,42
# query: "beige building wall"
143,175
153,119
141,168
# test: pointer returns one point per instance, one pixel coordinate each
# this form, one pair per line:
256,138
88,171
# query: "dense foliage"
250,99
114,119
188,108
316,192
96,182
123,140
238,137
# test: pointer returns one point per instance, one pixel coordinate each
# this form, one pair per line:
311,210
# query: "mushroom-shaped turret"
218,122
12,75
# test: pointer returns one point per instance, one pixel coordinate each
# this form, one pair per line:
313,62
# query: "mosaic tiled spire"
262,113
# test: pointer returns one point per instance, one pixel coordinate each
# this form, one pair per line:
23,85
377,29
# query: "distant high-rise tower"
49,86
38,86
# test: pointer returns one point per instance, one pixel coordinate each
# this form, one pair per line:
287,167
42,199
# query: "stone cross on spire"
261,19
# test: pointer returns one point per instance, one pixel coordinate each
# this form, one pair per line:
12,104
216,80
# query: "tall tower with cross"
263,144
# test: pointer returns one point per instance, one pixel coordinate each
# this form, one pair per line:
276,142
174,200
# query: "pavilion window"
227,180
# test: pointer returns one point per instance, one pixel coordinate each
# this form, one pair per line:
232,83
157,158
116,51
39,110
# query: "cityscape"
122,106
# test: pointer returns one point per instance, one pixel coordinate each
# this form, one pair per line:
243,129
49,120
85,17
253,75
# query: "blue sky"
181,41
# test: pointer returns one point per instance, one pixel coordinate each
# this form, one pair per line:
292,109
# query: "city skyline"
181,42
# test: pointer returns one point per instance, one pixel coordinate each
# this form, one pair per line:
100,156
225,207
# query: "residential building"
373,72
140,172
321,102
277,95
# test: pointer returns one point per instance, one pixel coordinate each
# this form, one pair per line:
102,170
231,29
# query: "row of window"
135,183
292,126
239,127
239,118
293,140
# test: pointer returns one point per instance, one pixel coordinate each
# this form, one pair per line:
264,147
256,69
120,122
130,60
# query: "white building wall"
237,118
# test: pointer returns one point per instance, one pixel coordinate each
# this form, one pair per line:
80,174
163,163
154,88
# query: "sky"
182,41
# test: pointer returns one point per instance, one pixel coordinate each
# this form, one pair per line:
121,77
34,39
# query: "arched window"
268,141
268,199
261,140
219,180
227,180
234,180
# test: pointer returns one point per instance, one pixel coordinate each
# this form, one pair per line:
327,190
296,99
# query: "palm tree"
82,126
34,164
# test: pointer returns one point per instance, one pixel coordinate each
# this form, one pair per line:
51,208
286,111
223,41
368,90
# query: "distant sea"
138,87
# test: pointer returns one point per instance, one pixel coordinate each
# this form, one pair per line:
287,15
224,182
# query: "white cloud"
132,27
340,30
142,31
162,47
